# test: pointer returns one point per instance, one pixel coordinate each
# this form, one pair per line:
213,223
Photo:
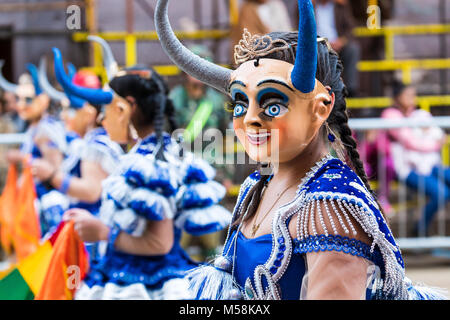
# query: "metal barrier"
408,206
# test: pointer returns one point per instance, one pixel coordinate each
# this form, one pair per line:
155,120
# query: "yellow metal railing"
131,39
406,66
424,102
389,32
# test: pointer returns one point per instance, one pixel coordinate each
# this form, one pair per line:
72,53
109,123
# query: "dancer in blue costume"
44,139
311,228
156,192
92,155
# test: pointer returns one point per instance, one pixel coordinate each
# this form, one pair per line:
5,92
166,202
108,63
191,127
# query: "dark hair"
329,73
150,93
397,88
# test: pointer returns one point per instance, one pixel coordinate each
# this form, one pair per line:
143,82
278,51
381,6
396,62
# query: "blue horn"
93,96
34,75
5,84
109,62
45,84
303,75
72,70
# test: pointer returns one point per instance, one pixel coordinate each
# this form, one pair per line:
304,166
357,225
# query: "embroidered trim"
280,256
337,243
349,205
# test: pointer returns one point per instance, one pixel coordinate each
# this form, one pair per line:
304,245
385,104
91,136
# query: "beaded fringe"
343,209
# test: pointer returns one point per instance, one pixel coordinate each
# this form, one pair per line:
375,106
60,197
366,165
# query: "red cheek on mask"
280,131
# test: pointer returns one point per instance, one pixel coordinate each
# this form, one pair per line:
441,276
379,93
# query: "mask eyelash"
242,109
283,108
229,106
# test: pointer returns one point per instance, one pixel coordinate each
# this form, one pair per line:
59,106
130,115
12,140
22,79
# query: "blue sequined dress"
97,147
273,266
143,189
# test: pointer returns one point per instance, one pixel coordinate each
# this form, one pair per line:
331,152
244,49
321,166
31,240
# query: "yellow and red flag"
68,266
8,209
27,231
25,279
53,272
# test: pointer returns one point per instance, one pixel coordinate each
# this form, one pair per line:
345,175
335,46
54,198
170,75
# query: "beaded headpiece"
254,46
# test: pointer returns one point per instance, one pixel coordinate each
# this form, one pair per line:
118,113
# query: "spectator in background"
376,154
260,17
416,154
9,111
6,126
188,96
192,95
335,22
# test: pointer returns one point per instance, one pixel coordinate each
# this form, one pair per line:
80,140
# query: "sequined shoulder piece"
336,192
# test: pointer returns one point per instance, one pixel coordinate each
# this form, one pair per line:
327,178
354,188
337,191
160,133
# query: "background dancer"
140,218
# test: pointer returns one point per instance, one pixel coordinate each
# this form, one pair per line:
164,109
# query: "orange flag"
27,231
68,266
8,209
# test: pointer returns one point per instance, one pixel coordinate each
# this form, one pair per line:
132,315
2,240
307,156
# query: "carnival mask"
31,108
271,97
31,104
272,120
116,120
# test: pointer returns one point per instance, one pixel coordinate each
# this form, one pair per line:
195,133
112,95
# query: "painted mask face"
30,106
116,119
67,116
273,121
79,120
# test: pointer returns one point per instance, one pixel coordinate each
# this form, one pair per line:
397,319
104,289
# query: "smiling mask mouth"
258,138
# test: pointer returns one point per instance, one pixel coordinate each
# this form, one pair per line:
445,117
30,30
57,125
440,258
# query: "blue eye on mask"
239,110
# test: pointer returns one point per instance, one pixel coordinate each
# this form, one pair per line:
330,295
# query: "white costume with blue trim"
144,189
51,203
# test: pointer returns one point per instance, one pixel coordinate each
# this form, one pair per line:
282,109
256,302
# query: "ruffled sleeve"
141,189
52,206
53,130
99,148
197,200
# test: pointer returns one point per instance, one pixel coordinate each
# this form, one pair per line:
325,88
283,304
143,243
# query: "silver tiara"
253,46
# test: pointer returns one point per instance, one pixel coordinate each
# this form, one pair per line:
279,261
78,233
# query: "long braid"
151,94
158,123
170,115
330,74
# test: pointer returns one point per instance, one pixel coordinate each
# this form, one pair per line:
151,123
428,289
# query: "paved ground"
430,270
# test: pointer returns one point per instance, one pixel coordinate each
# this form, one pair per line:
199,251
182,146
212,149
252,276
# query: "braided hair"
150,91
